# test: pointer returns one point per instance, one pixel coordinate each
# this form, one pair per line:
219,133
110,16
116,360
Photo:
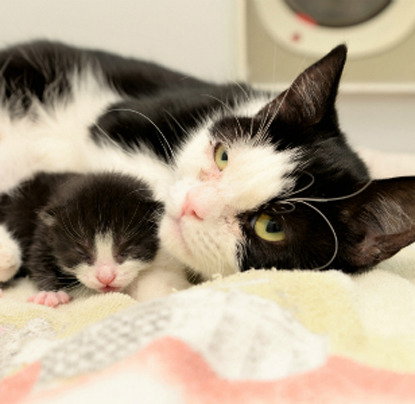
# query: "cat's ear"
379,222
312,94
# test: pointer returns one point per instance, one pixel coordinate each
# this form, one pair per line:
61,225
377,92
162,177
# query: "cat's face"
266,188
204,223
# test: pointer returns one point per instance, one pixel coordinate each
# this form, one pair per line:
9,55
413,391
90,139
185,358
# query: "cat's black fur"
55,218
333,218
162,96
361,231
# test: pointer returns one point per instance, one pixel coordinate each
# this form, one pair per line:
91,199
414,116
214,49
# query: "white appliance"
377,93
285,35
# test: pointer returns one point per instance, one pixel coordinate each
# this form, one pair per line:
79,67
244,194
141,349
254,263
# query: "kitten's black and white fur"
92,232
248,178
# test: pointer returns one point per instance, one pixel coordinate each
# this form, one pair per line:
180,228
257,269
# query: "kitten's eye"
82,254
267,228
221,156
125,253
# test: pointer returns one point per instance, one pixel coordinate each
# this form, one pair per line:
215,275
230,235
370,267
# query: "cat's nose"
190,207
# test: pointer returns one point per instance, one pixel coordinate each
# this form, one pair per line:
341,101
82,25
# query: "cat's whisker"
333,199
305,201
243,90
185,131
291,208
228,108
276,112
332,229
165,144
260,134
305,187
116,145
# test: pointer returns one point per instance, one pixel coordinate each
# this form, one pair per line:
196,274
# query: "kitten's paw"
10,255
50,299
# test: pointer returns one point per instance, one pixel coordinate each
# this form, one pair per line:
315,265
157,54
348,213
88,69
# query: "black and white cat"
249,179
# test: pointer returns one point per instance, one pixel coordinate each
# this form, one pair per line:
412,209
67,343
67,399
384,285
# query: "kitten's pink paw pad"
50,299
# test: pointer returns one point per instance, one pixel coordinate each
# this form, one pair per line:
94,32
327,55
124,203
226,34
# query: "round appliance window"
311,27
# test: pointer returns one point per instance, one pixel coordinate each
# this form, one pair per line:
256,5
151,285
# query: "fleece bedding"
254,337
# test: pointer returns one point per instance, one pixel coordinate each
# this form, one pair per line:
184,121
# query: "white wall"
195,36
383,122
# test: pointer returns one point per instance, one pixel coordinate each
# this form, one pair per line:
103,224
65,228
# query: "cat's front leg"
10,255
164,276
50,298
156,283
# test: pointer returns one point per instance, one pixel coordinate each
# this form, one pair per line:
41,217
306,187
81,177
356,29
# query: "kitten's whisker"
131,220
74,231
75,284
73,237
130,233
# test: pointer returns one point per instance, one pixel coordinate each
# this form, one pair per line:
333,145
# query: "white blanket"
255,337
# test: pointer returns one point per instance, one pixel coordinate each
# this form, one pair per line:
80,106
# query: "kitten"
248,178
75,233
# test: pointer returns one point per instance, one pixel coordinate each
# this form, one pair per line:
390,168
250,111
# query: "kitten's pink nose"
106,274
191,207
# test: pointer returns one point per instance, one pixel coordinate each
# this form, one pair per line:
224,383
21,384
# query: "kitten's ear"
312,94
379,222
47,216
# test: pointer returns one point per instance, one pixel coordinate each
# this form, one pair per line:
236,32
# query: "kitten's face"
102,230
100,263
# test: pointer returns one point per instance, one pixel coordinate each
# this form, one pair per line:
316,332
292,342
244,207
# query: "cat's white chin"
174,232
200,245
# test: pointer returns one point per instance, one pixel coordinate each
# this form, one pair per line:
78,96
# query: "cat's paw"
10,255
50,299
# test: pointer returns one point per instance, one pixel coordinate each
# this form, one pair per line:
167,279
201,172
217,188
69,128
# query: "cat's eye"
268,228
221,156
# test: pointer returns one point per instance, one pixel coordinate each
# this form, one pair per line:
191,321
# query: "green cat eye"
268,228
221,156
